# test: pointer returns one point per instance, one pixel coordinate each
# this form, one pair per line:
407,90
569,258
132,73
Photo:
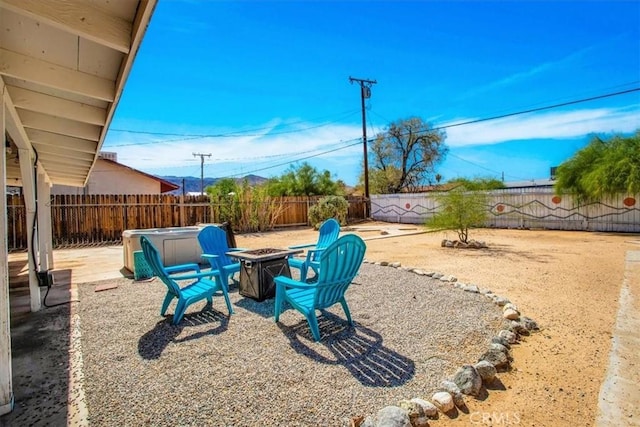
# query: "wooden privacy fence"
296,209
518,208
84,220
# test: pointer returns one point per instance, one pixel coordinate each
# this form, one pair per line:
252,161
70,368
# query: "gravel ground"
245,370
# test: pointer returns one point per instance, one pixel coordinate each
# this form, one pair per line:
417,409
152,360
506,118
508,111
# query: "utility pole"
202,156
365,92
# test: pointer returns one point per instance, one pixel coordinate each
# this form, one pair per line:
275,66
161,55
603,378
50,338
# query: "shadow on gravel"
152,344
359,349
262,308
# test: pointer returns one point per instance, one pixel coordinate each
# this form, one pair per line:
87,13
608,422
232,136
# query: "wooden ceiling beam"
57,125
67,179
60,143
77,17
54,106
47,156
67,171
45,73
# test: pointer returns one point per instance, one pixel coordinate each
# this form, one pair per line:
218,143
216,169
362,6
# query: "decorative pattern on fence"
522,209
85,220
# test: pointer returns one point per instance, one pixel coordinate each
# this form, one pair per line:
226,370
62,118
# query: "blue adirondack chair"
213,241
328,233
202,287
338,265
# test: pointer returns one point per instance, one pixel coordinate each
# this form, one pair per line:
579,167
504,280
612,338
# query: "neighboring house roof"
165,186
543,182
64,65
447,186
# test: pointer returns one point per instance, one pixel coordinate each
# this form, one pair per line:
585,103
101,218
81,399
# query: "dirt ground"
569,282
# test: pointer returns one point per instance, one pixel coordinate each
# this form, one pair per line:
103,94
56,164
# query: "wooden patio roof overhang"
63,65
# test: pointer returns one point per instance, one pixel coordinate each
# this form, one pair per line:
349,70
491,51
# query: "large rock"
510,306
497,358
392,416
429,408
447,244
468,380
453,389
501,301
415,410
486,370
519,328
443,401
511,337
471,288
499,347
500,340
511,314
529,323
477,244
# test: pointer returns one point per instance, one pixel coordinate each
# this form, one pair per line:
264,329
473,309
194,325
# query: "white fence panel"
410,208
516,208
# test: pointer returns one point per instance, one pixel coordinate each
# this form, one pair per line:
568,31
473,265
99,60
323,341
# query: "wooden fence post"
182,219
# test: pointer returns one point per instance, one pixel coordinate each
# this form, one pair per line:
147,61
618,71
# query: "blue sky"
263,85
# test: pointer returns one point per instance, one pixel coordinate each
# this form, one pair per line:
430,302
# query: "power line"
271,156
239,134
569,97
608,95
350,143
482,167
302,158
533,110
159,141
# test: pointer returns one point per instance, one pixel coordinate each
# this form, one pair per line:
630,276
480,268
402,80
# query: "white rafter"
54,106
77,17
55,76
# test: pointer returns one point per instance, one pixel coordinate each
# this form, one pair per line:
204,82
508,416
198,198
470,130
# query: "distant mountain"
192,184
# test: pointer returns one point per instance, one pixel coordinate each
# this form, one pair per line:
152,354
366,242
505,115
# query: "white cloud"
270,153
234,154
563,124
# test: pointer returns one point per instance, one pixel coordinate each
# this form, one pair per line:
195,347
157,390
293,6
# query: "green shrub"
247,208
460,210
329,207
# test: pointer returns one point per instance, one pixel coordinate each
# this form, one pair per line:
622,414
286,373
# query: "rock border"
468,379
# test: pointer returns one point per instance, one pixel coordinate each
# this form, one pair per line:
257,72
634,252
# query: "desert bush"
329,207
246,208
460,210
